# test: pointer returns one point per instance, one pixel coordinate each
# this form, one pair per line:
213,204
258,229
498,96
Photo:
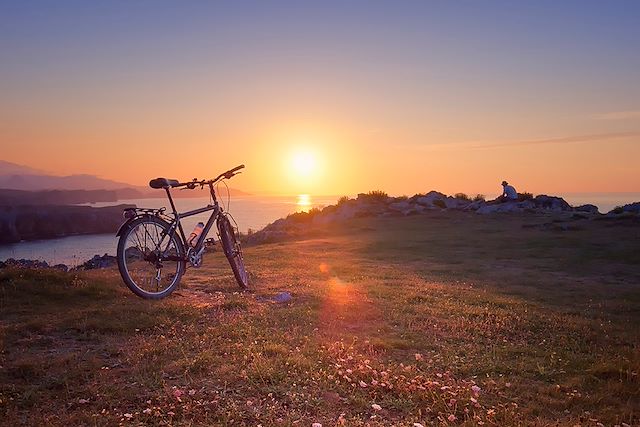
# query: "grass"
445,319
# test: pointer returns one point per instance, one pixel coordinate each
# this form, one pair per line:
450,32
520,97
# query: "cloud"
619,115
576,139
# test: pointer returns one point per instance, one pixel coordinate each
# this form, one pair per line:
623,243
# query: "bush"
462,196
343,199
479,198
377,194
618,210
525,196
439,203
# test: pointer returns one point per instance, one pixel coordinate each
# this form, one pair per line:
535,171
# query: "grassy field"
444,319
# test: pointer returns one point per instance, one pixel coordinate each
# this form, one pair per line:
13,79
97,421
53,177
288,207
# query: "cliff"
47,222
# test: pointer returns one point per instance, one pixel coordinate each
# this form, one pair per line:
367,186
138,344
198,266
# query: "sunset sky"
327,97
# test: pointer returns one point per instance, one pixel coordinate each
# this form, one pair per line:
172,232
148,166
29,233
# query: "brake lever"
231,175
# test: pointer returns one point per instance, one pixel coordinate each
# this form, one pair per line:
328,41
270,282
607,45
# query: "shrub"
314,211
343,199
462,196
439,203
618,210
479,198
377,194
525,196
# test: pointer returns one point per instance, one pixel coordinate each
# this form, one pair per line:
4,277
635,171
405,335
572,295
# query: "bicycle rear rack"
133,212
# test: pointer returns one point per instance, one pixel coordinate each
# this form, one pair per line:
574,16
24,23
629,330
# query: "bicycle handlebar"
227,175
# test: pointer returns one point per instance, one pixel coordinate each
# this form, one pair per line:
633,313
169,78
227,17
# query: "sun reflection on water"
304,203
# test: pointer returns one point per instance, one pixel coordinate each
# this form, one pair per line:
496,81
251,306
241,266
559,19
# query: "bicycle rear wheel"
151,263
233,251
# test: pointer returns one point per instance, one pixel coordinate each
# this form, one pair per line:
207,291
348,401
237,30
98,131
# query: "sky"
327,97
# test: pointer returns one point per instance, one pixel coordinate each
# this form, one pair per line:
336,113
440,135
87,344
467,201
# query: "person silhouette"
509,193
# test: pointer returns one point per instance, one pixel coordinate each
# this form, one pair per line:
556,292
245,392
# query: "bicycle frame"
176,224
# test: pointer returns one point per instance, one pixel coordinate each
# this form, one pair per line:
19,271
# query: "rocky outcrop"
31,264
47,222
630,209
104,261
592,209
97,262
378,205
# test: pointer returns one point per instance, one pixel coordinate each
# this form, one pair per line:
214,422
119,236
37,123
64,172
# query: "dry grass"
447,319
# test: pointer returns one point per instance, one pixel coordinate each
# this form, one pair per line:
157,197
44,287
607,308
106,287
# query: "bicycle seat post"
173,206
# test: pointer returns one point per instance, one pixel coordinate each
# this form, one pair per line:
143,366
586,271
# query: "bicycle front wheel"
151,262
233,252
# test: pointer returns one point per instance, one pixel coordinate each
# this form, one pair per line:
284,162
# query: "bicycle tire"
136,254
233,251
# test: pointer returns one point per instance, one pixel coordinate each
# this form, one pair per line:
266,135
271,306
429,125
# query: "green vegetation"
377,194
440,203
438,320
343,199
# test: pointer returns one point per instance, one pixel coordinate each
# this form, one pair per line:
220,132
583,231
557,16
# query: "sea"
250,213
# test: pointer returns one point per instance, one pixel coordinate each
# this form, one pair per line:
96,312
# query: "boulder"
556,204
592,209
432,196
633,208
104,261
506,207
400,206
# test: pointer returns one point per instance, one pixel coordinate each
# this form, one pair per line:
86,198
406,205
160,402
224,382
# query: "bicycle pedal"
210,245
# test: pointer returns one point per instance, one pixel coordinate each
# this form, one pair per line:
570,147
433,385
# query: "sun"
303,164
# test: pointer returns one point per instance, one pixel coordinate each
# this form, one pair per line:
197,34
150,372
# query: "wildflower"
363,384
128,416
418,356
316,425
417,425
452,418
376,407
475,389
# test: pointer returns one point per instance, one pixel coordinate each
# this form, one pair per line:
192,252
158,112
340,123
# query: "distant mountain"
19,177
8,168
51,182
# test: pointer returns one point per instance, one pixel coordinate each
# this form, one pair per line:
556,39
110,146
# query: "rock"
26,263
593,209
552,203
633,208
400,206
429,199
104,261
61,267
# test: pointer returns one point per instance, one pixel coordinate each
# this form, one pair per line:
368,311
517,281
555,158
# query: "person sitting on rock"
509,193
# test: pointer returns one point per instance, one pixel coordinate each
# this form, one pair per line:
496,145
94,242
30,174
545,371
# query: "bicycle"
153,251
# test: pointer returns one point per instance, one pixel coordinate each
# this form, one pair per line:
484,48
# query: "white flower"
376,407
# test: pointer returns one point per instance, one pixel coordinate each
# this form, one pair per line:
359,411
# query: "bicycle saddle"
163,183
